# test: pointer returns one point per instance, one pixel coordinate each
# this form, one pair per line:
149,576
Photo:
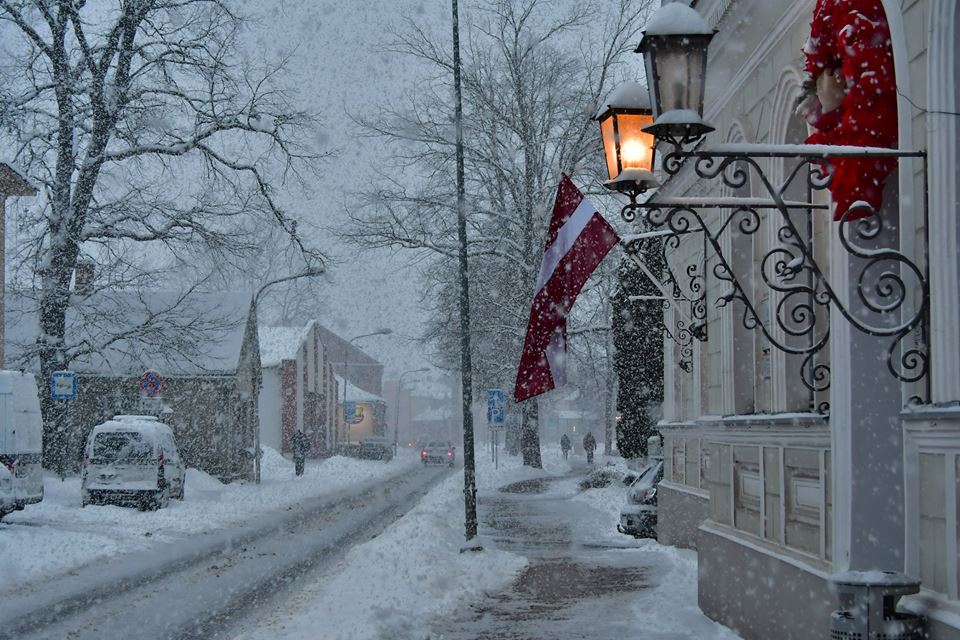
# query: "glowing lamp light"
628,149
674,47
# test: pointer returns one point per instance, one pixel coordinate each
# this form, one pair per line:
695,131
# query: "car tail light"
423,454
449,453
11,465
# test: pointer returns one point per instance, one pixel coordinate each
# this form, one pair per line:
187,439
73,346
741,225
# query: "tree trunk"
530,434
54,300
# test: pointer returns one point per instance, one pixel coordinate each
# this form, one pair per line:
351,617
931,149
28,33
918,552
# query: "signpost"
151,384
495,422
63,385
495,401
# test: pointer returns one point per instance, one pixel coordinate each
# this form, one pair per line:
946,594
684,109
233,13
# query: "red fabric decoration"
853,35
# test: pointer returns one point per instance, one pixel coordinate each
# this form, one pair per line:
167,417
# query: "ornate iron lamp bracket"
688,302
890,290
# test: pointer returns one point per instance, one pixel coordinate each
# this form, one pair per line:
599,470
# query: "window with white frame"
678,455
686,462
747,490
932,504
780,494
720,483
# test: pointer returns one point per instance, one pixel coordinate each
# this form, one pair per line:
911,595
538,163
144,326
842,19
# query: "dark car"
437,452
376,448
638,518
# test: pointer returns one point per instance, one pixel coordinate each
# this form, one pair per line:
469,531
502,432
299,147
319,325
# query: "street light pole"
466,366
346,371
396,420
309,273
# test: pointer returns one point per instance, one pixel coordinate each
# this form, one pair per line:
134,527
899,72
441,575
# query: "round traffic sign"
151,383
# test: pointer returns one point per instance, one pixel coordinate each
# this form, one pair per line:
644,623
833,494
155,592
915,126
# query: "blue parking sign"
63,385
495,402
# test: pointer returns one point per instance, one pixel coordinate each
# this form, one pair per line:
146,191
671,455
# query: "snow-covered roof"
676,18
219,317
281,343
566,414
355,393
629,95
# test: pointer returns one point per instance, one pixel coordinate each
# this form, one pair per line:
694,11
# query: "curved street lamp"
310,272
346,370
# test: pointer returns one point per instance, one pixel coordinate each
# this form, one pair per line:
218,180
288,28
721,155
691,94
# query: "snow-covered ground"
57,535
394,585
397,584
670,607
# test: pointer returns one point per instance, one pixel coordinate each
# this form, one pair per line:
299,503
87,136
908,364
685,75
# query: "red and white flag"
577,242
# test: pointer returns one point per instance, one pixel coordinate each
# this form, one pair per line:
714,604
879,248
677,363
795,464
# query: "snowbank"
57,535
511,468
670,607
393,586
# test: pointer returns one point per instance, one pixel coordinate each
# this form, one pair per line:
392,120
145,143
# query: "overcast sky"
339,66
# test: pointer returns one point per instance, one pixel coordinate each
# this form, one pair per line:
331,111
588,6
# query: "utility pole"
396,420
466,366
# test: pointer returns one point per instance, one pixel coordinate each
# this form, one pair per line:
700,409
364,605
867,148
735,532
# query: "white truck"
21,442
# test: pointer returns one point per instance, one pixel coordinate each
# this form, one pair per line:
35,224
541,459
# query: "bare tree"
152,139
533,76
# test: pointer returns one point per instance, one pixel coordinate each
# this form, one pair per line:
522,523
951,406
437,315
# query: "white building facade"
777,484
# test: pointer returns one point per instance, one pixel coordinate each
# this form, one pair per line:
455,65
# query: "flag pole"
466,367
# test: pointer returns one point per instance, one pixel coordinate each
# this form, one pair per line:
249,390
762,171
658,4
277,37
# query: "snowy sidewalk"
553,567
584,580
57,536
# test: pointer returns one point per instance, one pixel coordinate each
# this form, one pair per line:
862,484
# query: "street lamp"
308,273
674,47
346,371
396,420
628,148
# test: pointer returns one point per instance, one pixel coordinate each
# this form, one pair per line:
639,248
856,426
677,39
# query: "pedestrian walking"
565,446
300,444
589,445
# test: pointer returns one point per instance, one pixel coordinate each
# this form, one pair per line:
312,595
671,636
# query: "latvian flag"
577,242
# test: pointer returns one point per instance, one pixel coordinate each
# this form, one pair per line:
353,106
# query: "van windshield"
121,446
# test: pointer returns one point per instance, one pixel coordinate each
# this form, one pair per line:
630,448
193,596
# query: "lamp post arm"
309,273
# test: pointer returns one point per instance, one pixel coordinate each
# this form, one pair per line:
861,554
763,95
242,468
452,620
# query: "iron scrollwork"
798,324
684,287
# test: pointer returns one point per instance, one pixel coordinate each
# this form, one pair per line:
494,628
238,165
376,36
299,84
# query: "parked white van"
132,460
21,442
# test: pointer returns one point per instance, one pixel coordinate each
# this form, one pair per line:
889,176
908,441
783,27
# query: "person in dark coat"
589,445
301,445
565,445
